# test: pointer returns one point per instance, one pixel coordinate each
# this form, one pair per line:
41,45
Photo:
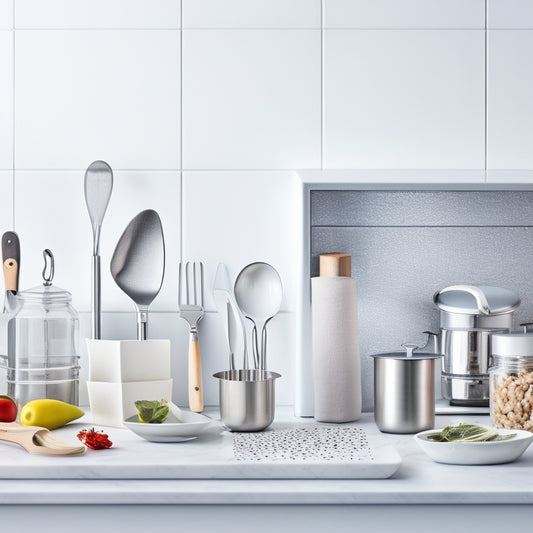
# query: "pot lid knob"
410,347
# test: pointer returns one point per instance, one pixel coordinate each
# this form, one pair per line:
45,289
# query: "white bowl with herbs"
473,444
162,421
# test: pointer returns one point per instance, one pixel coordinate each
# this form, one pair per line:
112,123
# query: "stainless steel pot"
469,315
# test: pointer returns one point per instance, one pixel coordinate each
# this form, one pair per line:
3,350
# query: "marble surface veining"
418,480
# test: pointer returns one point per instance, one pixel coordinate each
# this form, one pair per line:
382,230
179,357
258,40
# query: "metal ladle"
138,263
259,291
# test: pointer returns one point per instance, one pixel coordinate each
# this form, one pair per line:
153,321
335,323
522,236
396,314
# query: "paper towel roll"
335,349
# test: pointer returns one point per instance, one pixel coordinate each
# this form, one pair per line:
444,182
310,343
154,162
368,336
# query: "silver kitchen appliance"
469,315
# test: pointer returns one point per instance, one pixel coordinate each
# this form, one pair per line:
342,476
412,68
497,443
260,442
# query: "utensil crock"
247,399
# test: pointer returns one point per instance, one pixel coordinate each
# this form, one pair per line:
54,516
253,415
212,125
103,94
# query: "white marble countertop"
419,480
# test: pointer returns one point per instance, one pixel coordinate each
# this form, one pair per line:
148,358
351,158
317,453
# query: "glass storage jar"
511,381
43,360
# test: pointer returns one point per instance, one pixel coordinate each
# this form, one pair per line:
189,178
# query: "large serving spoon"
258,291
98,188
138,263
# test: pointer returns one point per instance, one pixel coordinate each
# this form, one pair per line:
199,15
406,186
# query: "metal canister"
404,390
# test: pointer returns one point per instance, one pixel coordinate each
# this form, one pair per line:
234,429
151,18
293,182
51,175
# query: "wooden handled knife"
11,260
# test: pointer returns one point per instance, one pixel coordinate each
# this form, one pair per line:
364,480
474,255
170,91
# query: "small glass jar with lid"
43,360
511,380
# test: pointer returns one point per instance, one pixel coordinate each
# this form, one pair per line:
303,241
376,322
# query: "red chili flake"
96,440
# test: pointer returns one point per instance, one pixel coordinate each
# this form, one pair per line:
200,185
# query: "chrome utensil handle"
262,361
196,399
255,347
96,311
476,292
142,327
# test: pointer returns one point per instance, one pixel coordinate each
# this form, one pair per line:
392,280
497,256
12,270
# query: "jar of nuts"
511,381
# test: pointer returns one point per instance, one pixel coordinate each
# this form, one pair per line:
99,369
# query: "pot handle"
476,292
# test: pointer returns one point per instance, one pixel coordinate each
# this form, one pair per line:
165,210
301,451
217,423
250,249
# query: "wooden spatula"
37,440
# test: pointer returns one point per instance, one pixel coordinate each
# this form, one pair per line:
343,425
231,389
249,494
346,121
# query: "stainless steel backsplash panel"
407,245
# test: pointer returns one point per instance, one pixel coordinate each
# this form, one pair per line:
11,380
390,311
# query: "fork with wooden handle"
191,281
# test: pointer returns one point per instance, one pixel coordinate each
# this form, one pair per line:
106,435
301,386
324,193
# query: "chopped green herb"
152,411
469,433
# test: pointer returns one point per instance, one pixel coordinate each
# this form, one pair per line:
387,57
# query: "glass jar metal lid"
46,293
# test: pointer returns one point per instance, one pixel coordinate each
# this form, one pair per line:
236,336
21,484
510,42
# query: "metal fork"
191,281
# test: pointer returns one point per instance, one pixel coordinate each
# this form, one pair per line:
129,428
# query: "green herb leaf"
152,411
469,433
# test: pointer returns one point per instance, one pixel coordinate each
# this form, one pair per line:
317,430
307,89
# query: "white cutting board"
210,456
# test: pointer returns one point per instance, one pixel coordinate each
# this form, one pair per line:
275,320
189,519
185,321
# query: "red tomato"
8,409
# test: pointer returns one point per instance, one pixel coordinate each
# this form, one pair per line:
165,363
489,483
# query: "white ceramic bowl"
112,403
129,360
475,453
191,426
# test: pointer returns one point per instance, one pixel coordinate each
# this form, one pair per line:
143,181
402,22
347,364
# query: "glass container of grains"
511,380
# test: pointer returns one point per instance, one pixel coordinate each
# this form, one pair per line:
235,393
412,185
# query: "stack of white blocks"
123,371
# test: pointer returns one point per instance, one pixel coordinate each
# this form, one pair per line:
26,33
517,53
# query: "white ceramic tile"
404,14
404,99
241,217
510,107
6,14
97,14
251,14
6,99
509,14
50,212
86,95
6,202
251,99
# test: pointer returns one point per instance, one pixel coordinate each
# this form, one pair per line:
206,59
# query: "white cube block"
128,360
112,403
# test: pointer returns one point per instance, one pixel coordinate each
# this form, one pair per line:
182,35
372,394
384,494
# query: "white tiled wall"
251,99
6,99
431,111
209,111
102,94
97,14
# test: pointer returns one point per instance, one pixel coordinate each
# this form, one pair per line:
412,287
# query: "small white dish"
193,424
111,403
475,453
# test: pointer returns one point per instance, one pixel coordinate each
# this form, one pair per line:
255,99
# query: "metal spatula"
98,187
138,263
